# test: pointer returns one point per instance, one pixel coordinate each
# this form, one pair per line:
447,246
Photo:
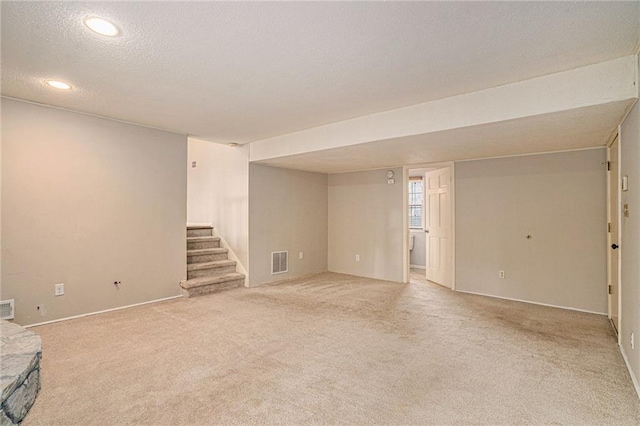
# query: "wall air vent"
6,309
279,262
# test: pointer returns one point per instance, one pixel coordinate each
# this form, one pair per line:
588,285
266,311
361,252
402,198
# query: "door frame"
617,210
405,221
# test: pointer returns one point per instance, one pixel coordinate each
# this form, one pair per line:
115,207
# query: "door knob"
426,230
614,246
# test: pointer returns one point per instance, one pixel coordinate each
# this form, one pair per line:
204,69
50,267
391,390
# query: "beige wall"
218,192
366,218
85,202
287,212
560,200
1,200
418,256
630,241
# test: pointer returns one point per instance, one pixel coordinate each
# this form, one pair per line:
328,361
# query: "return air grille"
279,262
6,309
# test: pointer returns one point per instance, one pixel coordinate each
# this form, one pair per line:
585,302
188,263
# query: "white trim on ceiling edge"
103,311
75,111
529,154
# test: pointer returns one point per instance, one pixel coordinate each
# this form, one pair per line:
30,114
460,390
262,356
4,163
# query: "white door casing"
438,215
613,251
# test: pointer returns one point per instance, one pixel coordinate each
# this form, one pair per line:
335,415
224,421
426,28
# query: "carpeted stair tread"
201,239
199,252
208,265
199,227
216,279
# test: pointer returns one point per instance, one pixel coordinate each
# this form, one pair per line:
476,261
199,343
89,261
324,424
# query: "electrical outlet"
357,258
633,343
501,274
301,255
59,290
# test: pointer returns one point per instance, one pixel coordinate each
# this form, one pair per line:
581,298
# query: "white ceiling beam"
598,84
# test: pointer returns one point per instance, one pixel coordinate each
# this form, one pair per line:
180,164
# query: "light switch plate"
59,290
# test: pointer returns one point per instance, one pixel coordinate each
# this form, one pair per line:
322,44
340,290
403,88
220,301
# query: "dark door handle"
614,246
426,230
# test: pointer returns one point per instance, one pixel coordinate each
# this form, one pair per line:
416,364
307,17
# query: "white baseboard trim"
102,312
634,379
418,267
533,303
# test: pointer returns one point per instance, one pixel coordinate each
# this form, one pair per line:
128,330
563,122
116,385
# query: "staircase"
209,269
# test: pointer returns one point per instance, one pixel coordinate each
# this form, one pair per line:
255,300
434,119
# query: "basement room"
393,213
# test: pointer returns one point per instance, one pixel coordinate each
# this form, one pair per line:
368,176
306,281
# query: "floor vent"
6,309
279,262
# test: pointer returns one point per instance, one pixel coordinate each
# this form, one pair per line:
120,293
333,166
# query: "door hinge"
610,289
609,227
608,165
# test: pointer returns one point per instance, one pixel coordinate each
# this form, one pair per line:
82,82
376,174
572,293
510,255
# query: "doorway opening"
429,223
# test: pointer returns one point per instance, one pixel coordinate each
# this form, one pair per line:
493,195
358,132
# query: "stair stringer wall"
232,256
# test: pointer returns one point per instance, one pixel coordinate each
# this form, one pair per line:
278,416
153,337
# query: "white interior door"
438,226
612,240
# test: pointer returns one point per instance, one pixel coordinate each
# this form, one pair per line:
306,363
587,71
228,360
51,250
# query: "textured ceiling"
245,71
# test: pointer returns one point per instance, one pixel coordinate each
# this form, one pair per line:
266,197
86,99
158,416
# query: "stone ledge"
20,354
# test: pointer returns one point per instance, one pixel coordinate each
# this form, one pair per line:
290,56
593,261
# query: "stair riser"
202,245
210,272
206,258
199,232
215,288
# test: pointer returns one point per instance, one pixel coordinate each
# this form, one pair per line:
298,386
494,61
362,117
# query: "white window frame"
414,178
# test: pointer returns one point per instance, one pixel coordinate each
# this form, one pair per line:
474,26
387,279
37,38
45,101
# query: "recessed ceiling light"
101,27
58,84
233,144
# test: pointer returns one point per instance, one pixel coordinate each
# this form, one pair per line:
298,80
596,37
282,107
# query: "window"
416,198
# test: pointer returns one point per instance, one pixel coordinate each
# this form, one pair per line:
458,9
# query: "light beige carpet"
334,349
